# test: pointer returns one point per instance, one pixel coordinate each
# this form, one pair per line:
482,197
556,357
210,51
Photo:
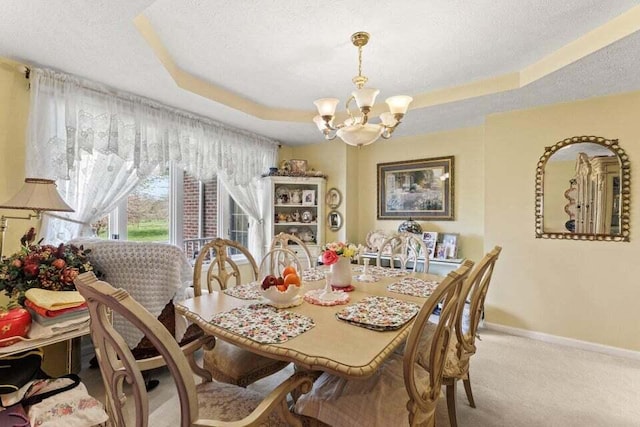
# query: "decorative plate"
307,216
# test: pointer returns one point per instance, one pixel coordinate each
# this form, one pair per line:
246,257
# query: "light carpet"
516,382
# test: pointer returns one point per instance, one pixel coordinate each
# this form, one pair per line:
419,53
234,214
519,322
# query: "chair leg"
467,388
451,401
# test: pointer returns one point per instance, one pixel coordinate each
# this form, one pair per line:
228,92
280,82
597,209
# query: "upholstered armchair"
207,404
406,388
294,244
227,362
405,248
462,345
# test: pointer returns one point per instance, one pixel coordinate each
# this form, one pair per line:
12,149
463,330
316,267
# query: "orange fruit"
282,288
292,279
289,270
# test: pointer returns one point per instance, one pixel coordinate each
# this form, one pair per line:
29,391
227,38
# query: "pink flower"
329,257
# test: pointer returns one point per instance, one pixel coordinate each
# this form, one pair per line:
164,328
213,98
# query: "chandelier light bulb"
365,97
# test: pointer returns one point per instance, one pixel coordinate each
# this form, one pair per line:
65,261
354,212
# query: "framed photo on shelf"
430,235
308,197
420,189
298,167
450,245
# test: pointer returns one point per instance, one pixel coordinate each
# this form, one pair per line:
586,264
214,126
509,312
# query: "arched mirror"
583,190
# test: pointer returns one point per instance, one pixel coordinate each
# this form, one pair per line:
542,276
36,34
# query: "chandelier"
356,130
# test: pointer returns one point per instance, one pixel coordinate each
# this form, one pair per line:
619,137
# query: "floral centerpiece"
338,255
42,266
331,252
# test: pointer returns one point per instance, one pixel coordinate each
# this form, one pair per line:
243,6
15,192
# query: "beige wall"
14,110
583,290
358,182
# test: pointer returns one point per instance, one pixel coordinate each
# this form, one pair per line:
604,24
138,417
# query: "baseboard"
569,342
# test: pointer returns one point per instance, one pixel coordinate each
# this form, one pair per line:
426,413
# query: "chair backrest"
116,361
283,240
276,260
221,267
404,247
432,356
474,291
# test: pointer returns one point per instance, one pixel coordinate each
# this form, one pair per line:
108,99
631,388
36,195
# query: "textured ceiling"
286,53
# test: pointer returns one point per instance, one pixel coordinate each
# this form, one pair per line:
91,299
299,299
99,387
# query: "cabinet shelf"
293,205
274,186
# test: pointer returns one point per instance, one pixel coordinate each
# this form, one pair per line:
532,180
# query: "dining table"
331,345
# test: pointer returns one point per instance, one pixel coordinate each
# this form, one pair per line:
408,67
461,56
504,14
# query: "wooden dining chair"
227,362
405,248
462,345
209,403
276,260
295,244
406,388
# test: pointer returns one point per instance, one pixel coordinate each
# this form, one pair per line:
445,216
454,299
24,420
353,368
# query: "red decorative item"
15,322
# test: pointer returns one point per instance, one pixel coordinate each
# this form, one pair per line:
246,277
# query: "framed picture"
334,198
431,248
429,236
308,197
420,189
298,167
335,220
450,245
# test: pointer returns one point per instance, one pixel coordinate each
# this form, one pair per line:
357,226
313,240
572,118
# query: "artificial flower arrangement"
42,266
331,252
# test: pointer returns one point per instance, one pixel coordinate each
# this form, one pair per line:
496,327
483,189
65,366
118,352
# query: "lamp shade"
326,106
399,104
39,195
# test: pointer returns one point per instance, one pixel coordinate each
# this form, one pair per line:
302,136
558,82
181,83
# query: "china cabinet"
295,205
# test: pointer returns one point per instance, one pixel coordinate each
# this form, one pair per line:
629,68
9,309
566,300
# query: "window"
145,215
171,206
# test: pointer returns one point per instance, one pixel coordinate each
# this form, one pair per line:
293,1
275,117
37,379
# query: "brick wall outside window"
191,208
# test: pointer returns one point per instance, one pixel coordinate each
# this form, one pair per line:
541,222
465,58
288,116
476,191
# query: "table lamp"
37,195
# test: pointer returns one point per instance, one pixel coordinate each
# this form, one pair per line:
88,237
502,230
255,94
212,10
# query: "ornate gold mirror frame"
625,191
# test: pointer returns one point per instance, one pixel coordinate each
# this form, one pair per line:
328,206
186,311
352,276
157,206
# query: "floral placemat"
382,271
263,323
379,313
313,274
413,286
245,291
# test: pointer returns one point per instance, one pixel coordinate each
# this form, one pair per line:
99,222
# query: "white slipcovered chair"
156,275
208,404
406,388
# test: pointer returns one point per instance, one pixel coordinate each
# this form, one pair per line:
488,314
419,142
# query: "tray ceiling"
260,65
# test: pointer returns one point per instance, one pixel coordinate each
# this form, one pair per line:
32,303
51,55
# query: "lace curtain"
98,144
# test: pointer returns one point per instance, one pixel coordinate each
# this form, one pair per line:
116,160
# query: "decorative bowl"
15,322
277,296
